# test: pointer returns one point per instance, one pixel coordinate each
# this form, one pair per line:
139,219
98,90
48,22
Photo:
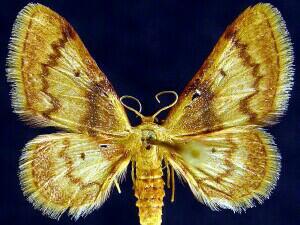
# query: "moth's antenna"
168,106
138,113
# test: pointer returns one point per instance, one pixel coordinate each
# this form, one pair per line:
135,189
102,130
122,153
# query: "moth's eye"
152,136
82,156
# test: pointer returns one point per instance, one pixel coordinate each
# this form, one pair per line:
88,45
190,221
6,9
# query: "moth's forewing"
246,80
55,80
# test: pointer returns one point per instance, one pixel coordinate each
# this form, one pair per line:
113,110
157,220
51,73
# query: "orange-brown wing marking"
56,82
228,168
245,80
73,172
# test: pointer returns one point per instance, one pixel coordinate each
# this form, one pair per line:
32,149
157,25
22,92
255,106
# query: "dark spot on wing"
77,73
223,73
195,95
103,145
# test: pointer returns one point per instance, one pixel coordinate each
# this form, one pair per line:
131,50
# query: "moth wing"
229,168
245,80
56,82
70,172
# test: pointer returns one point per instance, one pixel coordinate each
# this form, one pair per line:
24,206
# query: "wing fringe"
286,58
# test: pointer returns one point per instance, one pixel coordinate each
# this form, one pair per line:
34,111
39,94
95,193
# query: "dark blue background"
144,47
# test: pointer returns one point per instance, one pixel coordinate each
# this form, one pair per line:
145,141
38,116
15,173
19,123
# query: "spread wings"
56,82
244,84
245,80
74,172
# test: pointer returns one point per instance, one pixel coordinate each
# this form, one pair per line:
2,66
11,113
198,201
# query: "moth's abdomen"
149,190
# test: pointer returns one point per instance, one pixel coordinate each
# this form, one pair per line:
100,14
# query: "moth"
212,138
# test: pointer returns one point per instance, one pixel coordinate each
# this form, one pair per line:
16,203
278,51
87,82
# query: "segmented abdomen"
149,190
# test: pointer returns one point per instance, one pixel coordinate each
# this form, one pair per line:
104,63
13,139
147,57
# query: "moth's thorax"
147,135
151,132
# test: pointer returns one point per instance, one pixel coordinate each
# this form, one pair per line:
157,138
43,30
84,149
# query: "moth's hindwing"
229,168
74,172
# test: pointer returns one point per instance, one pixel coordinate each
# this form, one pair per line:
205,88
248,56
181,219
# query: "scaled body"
147,172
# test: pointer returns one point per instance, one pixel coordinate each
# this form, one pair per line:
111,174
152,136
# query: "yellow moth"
212,136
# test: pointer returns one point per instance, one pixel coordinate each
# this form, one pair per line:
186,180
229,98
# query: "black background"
144,47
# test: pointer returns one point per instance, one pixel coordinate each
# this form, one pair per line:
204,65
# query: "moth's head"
148,137
149,119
